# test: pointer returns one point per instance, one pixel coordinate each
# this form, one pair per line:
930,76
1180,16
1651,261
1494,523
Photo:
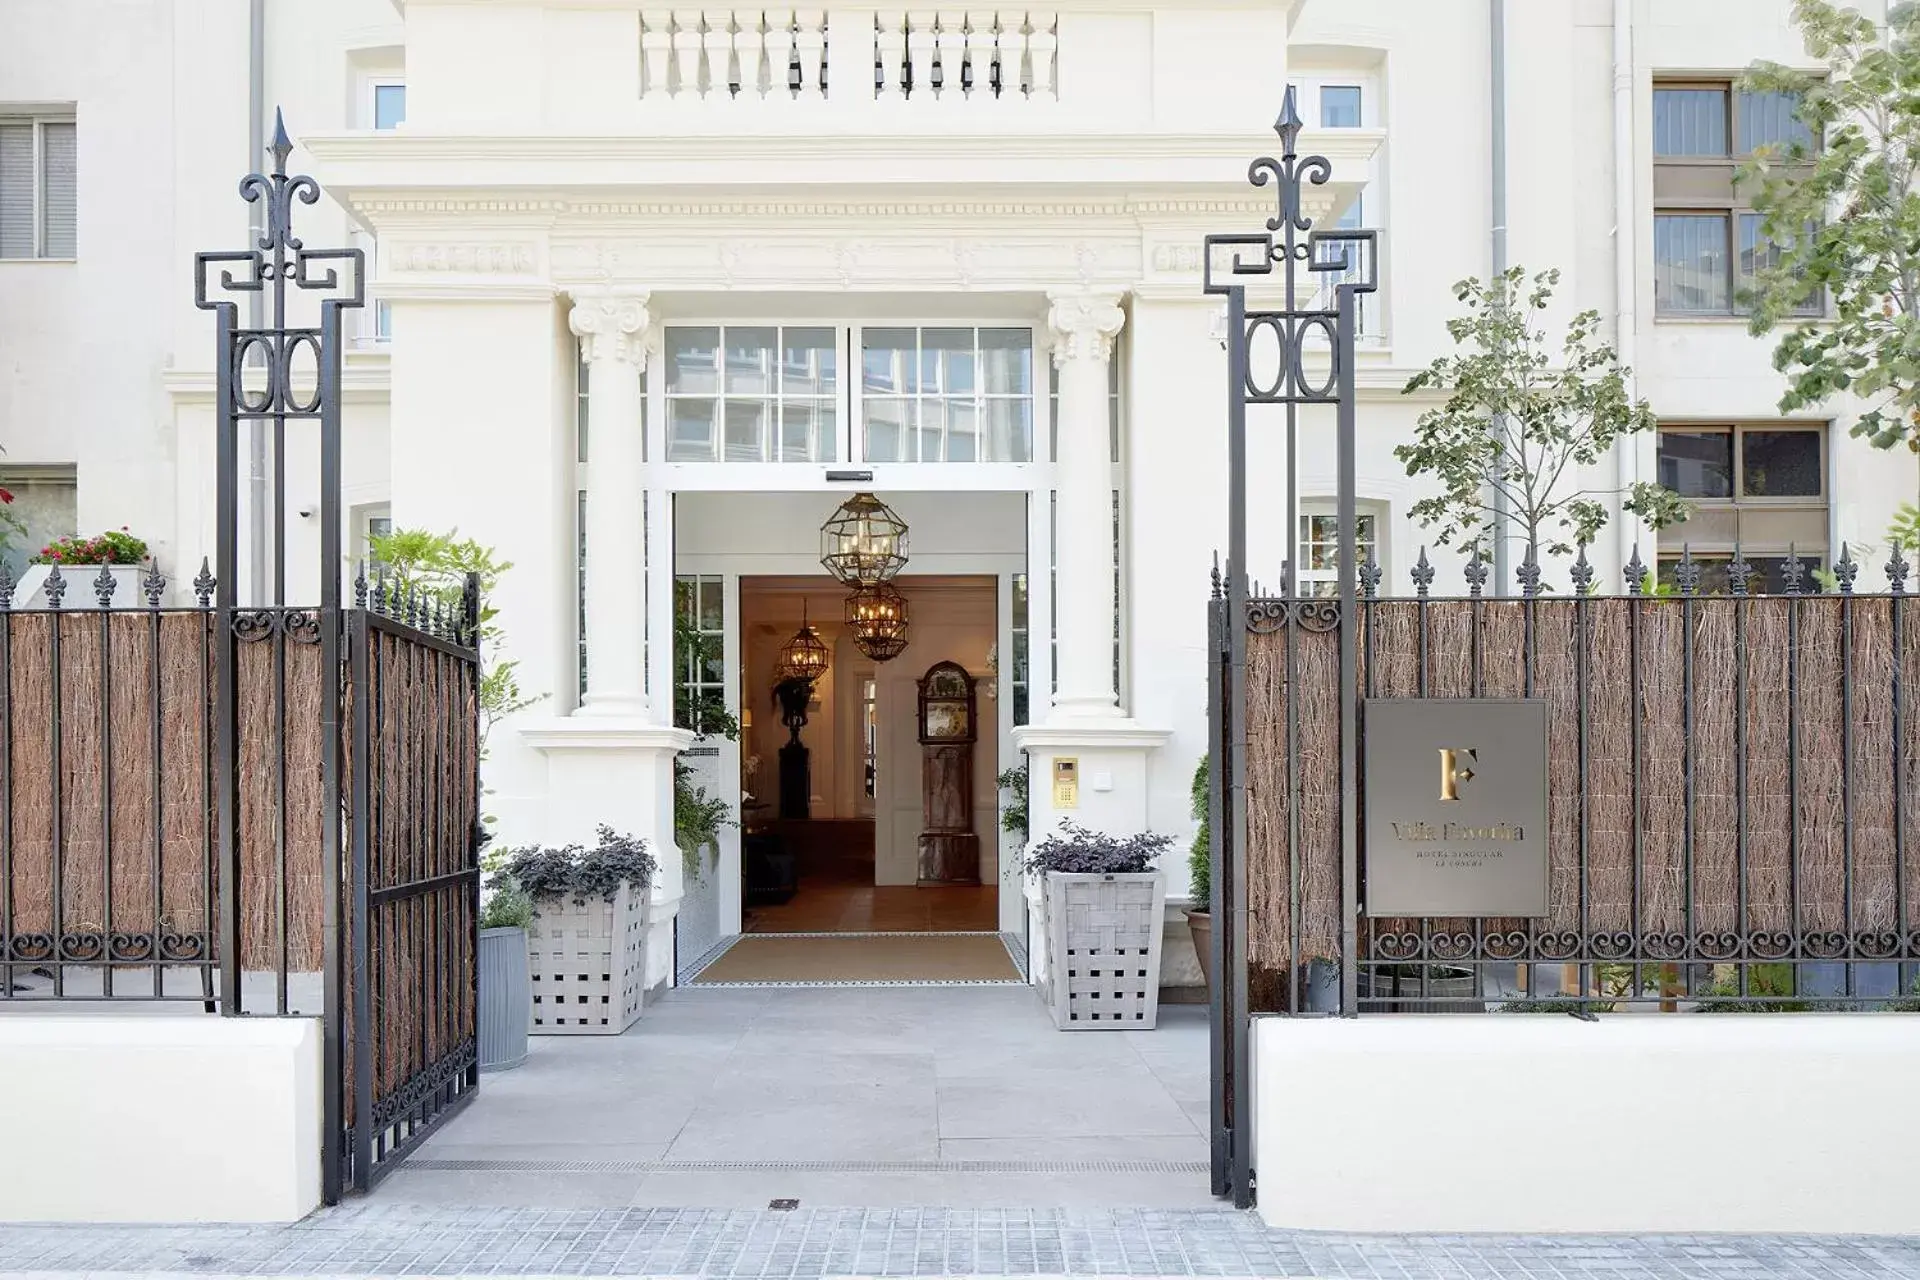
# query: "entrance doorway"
862,853
851,862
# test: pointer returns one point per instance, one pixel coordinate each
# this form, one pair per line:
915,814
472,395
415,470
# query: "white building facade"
657,288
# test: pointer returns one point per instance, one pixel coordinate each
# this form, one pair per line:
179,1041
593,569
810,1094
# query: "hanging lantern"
876,616
863,542
804,657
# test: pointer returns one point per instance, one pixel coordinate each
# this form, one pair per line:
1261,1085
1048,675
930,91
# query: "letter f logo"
1454,771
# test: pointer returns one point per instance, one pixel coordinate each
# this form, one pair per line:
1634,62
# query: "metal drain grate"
812,1166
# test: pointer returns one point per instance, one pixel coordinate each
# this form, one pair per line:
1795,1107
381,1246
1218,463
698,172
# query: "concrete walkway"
869,1097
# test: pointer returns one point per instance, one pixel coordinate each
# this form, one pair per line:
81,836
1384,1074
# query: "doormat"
862,959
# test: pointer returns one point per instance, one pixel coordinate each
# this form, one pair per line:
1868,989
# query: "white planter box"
1103,950
587,963
129,587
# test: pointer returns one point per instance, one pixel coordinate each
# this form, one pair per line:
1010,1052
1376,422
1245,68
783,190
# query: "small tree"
438,563
1521,420
1844,220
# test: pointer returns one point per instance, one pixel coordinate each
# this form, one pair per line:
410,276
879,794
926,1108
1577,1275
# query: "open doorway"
866,852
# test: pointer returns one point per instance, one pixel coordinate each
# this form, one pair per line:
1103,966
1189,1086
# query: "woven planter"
506,998
587,959
1103,950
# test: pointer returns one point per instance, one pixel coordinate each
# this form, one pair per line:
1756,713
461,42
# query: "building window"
752,393
1760,487
389,104
1018,677
39,183
44,507
580,585
1340,106
700,681
1707,246
959,394
371,523
1319,548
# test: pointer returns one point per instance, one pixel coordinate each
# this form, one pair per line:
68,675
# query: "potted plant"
1103,901
122,557
1200,873
506,991
587,941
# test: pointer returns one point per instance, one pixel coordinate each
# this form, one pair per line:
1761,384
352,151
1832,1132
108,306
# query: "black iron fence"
1734,783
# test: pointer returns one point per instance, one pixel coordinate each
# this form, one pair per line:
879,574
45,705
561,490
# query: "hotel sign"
1456,806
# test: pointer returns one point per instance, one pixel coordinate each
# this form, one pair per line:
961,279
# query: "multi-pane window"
39,187
389,105
1319,549
700,674
946,394
1018,677
1759,487
752,393
1708,248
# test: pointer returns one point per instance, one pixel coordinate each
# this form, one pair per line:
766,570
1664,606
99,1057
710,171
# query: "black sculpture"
796,782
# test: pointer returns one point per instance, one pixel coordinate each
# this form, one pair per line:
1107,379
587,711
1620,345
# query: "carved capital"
1084,325
611,325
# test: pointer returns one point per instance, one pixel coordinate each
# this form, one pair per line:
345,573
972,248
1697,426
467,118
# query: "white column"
612,327
1083,327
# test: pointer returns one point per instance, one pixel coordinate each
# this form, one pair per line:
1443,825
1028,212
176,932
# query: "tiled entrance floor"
868,1097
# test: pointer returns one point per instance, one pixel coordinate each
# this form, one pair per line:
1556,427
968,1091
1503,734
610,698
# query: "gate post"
1342,261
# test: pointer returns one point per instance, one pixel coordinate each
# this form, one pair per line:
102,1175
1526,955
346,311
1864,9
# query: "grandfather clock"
949,849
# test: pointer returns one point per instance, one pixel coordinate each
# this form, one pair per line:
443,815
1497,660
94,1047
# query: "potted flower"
1200,873
81,562
506,993
587,941
1102,906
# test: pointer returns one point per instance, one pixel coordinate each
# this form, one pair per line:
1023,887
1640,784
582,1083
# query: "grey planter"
506,999
1103,950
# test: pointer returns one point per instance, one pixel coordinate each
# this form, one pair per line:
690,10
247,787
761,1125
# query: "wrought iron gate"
377,820
1309,328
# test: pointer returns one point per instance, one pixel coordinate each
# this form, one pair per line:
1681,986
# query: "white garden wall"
1634,1123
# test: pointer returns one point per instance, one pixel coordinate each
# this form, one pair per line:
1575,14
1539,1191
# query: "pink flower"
6,495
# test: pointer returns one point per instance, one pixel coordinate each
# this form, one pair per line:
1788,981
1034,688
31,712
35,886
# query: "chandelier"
863,542
876,616
805,656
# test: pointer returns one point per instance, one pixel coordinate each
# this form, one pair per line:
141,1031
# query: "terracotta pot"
1201,925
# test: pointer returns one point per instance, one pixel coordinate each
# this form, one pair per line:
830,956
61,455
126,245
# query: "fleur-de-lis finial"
1686,574
1897,572
1636,573
104,586
155,583
1582,573
1288,125
1476,574
1370,577
1739,573
1216,576
360,586
204,583
1845,570
1422,573
1529,572
1793,572
56,587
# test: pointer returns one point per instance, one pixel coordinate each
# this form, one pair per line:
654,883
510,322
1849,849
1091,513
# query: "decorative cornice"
611,324
548,209
1083,325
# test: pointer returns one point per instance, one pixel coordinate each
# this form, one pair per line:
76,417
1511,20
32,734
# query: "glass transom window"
752,393
946,394
1319,573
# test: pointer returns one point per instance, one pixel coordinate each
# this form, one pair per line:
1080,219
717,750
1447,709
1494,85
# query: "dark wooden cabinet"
949,847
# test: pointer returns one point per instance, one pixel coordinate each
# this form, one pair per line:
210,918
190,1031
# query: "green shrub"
1200,856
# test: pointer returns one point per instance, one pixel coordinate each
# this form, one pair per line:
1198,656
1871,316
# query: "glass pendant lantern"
863,542
876,616
805,656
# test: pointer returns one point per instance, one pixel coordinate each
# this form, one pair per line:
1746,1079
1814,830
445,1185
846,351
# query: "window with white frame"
370,522
1319,545
39,185
946,394
700,681
387,105
752,393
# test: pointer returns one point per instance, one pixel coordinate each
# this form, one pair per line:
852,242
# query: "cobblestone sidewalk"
393,1240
